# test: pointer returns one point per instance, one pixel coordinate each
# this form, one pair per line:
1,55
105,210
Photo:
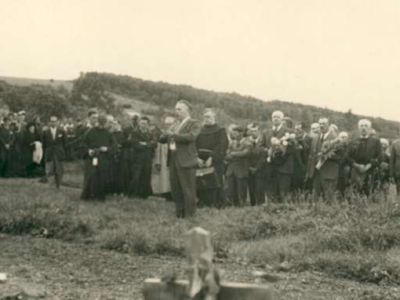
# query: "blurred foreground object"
203,283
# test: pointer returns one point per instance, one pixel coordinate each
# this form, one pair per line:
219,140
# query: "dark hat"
92,111
238,129
252,126
30,124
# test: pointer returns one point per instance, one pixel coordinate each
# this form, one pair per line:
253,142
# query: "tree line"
94,89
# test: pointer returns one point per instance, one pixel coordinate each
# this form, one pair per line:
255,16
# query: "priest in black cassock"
98,144
211,144
144,144
365,156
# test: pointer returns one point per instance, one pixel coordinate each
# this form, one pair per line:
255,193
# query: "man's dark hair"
302,124
91,113
144,118
238,129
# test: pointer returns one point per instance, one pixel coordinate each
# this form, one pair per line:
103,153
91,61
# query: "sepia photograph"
199,150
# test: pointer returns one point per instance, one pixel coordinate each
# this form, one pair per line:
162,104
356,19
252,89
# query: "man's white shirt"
53,132
274,128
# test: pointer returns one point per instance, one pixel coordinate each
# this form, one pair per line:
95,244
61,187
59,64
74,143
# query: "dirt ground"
77,271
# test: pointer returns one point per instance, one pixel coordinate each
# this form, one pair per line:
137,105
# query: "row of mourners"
192,161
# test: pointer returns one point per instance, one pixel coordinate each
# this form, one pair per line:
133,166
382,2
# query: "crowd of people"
200,163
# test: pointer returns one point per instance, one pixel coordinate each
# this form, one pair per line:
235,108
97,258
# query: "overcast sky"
340,54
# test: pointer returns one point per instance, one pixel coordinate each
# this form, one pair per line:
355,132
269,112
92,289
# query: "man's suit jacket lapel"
184,126
370,146
50,135
281,132
316,144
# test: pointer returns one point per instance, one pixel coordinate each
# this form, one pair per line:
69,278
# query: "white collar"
277,128
255,140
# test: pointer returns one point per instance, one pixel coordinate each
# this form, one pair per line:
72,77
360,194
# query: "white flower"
284,143
275,141
292,136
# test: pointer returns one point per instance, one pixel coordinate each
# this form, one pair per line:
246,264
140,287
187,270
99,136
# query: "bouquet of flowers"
279,146
328,150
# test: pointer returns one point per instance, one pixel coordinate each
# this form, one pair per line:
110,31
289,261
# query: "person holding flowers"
323,164
280,159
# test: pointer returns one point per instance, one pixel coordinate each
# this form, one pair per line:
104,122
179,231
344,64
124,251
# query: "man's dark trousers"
55,168
183,188
256,188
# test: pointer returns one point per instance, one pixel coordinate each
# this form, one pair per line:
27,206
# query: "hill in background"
19,81
117,94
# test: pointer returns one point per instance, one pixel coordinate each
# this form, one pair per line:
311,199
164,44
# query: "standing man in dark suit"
302,152
181,139
279,172
324,177
345,166
54,138
365,156
238,167
257,161
395,164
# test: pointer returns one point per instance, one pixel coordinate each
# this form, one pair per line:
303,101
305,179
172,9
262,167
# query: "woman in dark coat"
211,144
15,165
28,139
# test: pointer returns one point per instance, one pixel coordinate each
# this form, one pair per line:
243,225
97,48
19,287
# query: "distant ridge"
21,81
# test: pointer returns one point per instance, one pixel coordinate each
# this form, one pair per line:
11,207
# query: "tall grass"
358,240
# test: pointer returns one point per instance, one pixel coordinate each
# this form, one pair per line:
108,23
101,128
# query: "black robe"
15,166
7,137
144,144
97,165
212,142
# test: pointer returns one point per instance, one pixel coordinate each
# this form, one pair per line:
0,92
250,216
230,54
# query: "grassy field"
358,242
